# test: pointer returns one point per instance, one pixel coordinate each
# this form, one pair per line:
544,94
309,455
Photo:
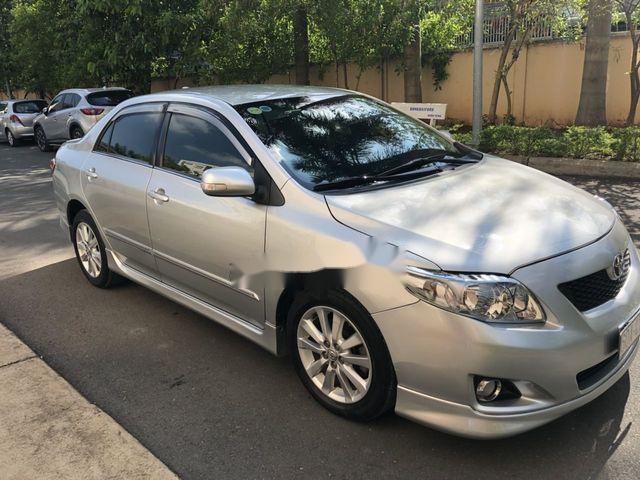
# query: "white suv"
73,112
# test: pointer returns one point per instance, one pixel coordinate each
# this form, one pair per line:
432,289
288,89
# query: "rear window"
30,106
109,98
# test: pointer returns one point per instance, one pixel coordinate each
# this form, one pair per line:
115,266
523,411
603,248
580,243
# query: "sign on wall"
423,111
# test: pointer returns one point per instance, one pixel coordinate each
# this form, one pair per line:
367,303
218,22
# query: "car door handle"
158,195
91,173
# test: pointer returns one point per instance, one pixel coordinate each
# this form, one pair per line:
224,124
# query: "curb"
580,166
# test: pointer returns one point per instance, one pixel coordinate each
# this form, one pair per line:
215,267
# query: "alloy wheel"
334,354
76,133
41,139
88,250
10,138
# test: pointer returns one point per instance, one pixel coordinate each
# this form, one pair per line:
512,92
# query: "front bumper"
436,353
465,421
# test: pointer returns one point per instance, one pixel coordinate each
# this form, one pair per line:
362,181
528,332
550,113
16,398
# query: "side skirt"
266,337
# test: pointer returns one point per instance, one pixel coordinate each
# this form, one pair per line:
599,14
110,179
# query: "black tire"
13,141
381,394
76,132
41,139
106,277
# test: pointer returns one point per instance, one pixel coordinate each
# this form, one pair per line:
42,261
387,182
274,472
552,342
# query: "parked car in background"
16,119
73,112
398,268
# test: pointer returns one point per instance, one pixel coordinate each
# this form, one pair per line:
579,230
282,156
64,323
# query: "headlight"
490,298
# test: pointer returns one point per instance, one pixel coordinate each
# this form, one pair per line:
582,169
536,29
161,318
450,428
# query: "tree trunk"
413,66
634,78
592,109
382,77
497,80
635,95
507,92
301,44
346,75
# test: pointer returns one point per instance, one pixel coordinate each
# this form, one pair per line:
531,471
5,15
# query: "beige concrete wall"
18,94
545,82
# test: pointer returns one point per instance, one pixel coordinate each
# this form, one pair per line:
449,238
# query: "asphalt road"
213,405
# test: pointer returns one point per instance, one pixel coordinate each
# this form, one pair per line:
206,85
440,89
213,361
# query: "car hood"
493,216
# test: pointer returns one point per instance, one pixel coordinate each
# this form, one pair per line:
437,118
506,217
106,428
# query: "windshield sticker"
265,108
254,111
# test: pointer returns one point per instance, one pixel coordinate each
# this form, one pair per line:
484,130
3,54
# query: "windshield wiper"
361,180
431,159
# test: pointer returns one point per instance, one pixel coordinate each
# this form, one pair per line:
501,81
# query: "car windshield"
109,98
30,106
341,137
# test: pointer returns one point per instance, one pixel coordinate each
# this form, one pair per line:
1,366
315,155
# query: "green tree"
6,57
521,17
301,41
251,40
630,10
41,32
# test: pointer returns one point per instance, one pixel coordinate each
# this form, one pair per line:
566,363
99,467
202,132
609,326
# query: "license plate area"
629,333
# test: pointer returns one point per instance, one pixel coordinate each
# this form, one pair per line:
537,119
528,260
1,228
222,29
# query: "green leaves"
64,43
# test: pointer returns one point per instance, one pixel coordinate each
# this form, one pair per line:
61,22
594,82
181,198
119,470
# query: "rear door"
115,179
204,244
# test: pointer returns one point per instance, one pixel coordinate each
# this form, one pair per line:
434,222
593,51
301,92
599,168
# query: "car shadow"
211,404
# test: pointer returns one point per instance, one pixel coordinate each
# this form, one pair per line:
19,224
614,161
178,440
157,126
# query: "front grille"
593,290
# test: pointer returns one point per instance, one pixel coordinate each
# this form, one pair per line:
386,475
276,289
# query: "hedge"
576,142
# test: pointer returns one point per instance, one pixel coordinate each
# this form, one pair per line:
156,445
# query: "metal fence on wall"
496,27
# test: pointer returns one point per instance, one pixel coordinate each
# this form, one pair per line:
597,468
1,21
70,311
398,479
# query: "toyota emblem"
620,265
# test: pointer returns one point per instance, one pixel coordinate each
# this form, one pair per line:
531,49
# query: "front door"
205,245
115,178
54,123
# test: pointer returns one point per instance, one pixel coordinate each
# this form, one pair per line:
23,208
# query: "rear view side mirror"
227,182
446,134
45,110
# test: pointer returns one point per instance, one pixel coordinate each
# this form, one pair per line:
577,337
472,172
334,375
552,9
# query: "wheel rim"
334,354
10,138
88,250
40,137
76,133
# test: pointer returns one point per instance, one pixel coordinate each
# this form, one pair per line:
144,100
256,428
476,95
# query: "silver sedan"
399,269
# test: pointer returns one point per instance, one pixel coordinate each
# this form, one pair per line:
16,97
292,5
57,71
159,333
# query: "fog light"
488,389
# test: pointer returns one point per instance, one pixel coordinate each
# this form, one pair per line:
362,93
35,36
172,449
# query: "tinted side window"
103,143
73,99
56,104
134,136
193,145
67,101
3,107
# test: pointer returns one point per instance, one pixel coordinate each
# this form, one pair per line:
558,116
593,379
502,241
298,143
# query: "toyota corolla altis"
399,269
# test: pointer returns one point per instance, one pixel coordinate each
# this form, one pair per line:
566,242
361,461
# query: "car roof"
241,94
85,91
